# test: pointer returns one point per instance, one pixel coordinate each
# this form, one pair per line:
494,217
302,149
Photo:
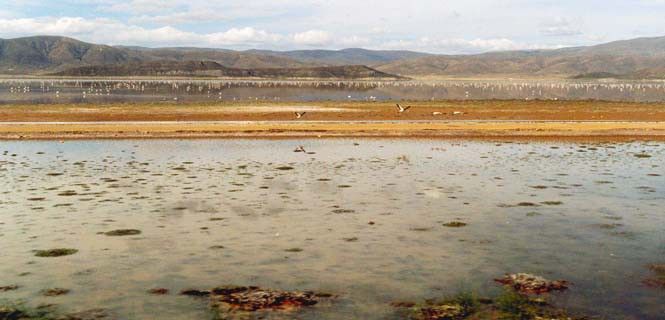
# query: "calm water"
604,221
91,91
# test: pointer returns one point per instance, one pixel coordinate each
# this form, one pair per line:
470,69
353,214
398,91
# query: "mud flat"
465,119
277,129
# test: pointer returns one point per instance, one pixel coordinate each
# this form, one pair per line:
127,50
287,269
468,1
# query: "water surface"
216,212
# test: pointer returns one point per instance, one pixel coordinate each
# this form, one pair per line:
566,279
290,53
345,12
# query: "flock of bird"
400,109
355,90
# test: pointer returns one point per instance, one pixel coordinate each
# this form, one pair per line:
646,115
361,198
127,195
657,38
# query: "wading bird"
402,109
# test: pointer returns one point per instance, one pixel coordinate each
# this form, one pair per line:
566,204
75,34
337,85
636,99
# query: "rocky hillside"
622,57
35,54
351,56
214,69
46,54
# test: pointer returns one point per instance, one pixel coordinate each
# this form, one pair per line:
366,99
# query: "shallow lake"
216,212
188,91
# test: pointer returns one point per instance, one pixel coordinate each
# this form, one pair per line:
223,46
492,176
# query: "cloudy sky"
437,26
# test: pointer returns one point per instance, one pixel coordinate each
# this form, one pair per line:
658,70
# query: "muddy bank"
438,129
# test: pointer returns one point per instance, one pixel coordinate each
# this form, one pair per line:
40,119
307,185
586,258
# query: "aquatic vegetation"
195,292
341,211
230,299
123,232
20,311
158,291
9,288
609,226
527,204
510,305
658,281
459,306
92,314
53,292
531,284
59,252
449,311
226,300
517,306
455,224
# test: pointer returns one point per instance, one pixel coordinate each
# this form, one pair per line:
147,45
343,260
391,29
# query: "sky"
435,26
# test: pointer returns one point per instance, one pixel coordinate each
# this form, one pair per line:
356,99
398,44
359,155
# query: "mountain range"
637,58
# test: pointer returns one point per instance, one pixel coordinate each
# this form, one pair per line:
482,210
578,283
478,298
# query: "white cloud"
181,17
315,38
436,26
138,6
562,27
244,36
114,32
461,46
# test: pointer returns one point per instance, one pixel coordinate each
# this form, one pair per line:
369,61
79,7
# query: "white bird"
458,113
300,114
402,109
300,149
437,113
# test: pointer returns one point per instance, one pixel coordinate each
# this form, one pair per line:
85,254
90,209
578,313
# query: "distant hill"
228,58
34,54
634,59
644,74
214,69
345,56
621,57
47,54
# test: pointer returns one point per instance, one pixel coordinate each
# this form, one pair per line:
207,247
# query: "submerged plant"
59,252
123,232
514,305
20,311
459,306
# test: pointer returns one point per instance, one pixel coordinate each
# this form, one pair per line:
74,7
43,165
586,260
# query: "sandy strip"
225,129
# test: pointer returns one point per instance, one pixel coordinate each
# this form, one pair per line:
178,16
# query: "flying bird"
300,114
300,149
402,109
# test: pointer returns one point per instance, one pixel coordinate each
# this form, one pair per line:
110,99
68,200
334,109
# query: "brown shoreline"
559,120
456,129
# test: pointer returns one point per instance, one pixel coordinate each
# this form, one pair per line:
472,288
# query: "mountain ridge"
618,57
51,54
